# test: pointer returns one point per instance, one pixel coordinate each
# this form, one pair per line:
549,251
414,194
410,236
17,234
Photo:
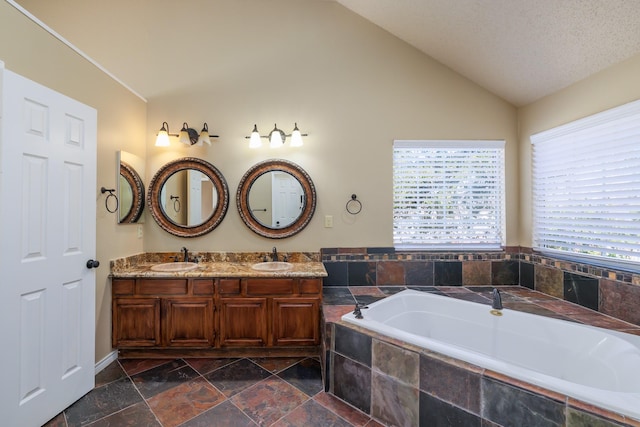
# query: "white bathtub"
594,365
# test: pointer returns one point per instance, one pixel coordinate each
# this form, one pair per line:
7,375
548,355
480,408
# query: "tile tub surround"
612,292
217,264
400,384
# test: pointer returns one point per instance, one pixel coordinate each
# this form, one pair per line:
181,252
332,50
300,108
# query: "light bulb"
255,141
162,140
204,136
296,137
275,138
184,134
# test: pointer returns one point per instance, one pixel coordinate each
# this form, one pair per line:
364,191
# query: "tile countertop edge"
224,269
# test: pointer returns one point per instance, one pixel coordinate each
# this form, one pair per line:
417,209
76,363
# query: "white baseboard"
106,361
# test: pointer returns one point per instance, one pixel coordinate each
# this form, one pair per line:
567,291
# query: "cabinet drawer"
123,286
269,286
310,286
229,286
202,286
162,287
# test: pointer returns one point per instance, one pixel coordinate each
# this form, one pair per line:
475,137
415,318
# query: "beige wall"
352,86
30,51
612,87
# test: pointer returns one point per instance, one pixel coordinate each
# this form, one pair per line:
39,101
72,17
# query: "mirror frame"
242,198
163,174
137,189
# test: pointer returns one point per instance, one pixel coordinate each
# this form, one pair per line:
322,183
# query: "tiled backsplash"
615,293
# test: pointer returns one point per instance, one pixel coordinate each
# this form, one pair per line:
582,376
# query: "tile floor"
199,392
279,392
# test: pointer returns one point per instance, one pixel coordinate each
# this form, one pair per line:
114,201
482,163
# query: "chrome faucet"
496,300
274,254
185,254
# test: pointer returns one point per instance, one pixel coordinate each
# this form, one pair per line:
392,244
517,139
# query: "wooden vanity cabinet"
223,313
163,312
244,317
266,312
188,322
243,322
296,321
136,322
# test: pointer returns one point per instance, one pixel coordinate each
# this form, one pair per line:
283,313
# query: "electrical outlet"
139,231
328,221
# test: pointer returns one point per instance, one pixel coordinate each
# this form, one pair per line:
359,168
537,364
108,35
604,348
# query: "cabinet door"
243,322
188,322
296,321
136,322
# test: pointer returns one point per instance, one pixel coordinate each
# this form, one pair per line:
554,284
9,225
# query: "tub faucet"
496,300
274,254
358,310
185,254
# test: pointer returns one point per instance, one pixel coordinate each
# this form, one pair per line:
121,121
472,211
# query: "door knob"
93,263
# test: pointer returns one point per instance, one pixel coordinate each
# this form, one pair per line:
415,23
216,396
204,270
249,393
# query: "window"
448,194
586,187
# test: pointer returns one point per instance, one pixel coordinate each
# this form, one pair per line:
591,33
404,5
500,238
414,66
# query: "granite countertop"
217,264
225,269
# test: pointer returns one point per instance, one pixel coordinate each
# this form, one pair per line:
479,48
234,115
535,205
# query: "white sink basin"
174,266
272,266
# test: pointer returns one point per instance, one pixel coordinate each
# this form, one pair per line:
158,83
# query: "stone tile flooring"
279,392
199,392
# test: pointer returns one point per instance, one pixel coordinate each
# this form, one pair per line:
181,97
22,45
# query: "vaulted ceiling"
521,50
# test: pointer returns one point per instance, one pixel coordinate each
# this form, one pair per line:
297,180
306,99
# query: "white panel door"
194,197
47,235
286,194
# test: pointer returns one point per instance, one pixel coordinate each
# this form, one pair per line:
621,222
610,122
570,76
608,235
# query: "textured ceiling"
520,50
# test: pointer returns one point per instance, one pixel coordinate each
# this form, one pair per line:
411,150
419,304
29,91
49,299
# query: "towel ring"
176,203
106,201
354,206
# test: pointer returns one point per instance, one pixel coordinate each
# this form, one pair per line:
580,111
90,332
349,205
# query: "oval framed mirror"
131,191
276,198
188,197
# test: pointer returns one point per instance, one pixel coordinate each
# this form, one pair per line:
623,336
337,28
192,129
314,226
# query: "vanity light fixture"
204,137
276,137
187,135
254,139
296,137
162,140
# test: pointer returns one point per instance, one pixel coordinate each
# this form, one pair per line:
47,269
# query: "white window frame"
586,189
424,177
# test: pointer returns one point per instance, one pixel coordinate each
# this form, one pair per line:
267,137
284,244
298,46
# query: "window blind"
448,194
586,187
